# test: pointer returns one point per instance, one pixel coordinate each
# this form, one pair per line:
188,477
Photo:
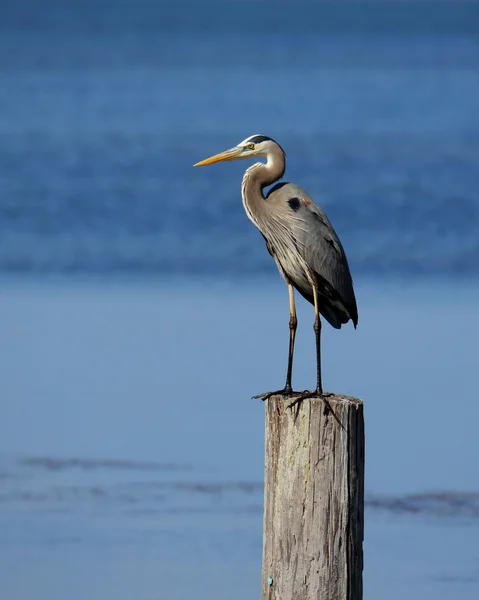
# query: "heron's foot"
308,394
286,392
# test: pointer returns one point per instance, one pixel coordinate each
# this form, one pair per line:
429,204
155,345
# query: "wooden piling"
313,499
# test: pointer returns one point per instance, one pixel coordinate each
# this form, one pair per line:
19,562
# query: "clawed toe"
305,395
285,392
299,396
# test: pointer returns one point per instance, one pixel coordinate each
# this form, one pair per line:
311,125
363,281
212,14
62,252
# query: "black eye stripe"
257,139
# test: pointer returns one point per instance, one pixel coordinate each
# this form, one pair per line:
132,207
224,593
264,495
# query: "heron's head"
255,145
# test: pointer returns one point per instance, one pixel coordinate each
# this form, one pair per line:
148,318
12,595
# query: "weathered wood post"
313,499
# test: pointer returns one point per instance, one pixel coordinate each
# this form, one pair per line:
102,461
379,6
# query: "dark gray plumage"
301,240
315,240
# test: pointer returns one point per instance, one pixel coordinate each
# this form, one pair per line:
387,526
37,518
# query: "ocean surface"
140,310
106,106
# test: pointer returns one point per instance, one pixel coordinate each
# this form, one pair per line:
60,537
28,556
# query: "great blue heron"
301,240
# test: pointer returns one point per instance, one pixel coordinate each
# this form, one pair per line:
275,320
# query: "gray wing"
323,253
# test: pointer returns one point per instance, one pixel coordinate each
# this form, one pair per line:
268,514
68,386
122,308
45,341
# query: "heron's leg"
317,331
293,324
318,392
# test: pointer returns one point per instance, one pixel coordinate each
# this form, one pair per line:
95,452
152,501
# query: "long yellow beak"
230,154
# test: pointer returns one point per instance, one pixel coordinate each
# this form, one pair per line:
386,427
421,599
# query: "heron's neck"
256,178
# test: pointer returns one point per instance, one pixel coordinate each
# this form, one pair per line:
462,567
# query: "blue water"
104,111
140,310
133,454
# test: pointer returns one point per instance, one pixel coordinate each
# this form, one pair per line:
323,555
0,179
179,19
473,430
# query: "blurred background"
140,310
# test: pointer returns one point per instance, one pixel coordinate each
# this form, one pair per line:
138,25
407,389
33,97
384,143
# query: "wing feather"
325,255
321,250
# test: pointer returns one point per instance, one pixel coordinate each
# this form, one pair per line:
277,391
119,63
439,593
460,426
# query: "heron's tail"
336,314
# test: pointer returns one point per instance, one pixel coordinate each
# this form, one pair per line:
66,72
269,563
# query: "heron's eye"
251,146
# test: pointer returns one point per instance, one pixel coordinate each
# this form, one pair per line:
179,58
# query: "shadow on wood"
314,499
